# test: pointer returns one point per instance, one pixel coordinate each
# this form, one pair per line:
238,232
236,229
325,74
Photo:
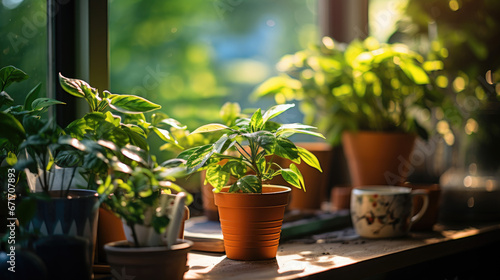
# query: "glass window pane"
23,29
192,56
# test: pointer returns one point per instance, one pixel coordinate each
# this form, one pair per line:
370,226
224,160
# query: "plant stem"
134,234
249,158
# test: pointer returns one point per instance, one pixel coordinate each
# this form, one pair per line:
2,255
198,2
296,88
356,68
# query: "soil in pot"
148,263
251,223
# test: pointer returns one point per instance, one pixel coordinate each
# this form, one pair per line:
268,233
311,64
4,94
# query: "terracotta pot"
148,263
377,158
316,182
207,197
340,197
251,223
109,229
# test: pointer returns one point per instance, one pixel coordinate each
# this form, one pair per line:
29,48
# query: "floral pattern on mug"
382,211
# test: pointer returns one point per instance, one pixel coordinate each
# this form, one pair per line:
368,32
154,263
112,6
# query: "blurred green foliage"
465,33
364,85
193,56
24,43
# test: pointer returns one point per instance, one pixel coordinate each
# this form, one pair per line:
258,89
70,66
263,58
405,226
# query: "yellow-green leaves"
210,128
131,104
309,158
293,176
247,184
275,111
76,87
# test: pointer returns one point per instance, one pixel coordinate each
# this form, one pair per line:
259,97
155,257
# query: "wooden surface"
343,255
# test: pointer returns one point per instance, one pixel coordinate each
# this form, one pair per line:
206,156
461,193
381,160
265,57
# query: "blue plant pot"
74,215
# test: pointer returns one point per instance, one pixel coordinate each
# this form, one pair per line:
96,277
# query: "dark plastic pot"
148,263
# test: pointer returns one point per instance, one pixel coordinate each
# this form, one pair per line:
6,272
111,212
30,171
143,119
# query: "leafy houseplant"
119,119
139,191
248,148
135,187
365,86
32,143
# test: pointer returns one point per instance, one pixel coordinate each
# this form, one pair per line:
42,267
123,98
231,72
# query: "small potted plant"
120,119
31,142
251,212
141,193
375,98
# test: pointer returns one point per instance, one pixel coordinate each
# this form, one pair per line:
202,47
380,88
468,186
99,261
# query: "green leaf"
199,157
217,176
256,122
32,125
11,158
235,167
131,104
135,137
76,87
163,134
42,103
309,158
173,123
296,126
249,184
415,73
69,158
210,128
265,139
5,99
10,74
286,149
32,95
285,133
219,144
11,129
293,177
275,111
134,153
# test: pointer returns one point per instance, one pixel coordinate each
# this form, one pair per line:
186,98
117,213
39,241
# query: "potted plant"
32,143
251,212
139,191
121,120
361,94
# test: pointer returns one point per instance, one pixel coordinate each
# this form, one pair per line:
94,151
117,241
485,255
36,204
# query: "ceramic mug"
385,211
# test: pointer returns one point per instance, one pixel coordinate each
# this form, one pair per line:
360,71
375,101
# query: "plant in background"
247,147
362,86
13,118
119,119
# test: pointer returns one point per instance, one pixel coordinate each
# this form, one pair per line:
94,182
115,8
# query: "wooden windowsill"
355,258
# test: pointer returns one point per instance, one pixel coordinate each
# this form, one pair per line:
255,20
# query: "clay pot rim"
283,190
123,246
